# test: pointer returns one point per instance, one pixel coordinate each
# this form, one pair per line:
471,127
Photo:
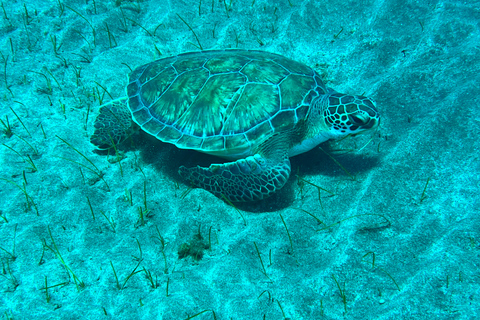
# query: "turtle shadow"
167,158
317,162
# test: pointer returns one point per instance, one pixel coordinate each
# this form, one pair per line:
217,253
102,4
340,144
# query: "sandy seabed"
396,237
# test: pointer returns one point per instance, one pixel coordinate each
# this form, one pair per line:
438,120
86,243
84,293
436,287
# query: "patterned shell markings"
219,102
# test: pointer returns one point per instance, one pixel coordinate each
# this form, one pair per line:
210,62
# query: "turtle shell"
221,102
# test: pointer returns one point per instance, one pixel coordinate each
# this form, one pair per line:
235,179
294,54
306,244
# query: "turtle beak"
363,120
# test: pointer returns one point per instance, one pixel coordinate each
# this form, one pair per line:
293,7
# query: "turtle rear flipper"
113,124
249,179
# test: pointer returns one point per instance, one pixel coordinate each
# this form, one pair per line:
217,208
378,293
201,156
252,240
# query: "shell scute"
257,103
216,143
142,116
264,72
294,66
170,134
134,102
173,101
187,62
189,142
294,88
235,142
264,129
153,126
154,70
226,63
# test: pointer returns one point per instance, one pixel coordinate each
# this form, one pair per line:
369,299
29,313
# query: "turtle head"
345,114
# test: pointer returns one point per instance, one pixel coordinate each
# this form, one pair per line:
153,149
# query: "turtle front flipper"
113,124
249,179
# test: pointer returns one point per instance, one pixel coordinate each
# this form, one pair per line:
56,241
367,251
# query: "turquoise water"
383,225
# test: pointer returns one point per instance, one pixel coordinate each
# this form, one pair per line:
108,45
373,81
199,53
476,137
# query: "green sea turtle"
253,108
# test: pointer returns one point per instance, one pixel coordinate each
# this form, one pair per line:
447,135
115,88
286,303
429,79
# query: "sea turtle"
253,108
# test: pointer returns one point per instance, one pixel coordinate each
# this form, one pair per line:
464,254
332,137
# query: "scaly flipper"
249,179
113,124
